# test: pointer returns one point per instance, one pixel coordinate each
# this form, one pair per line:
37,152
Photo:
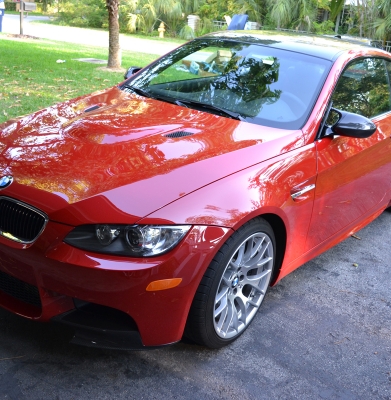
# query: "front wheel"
234,286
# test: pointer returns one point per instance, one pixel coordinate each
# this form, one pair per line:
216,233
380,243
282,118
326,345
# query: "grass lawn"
31,78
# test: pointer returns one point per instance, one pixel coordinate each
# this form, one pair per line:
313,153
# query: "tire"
233,287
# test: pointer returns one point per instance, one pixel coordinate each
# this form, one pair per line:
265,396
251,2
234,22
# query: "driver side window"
363,88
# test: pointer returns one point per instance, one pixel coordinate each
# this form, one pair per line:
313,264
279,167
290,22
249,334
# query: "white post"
21,16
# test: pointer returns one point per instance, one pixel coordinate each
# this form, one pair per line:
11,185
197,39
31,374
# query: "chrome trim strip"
31,208
302,191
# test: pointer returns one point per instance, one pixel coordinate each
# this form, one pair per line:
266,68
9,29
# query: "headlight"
127,240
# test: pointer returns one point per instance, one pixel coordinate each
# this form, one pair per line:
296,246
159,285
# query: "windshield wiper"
140,92
146,93
201,106
188,103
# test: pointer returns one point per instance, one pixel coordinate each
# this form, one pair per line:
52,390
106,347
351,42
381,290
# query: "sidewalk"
84,36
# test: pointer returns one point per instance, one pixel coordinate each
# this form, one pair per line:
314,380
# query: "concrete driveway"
91,37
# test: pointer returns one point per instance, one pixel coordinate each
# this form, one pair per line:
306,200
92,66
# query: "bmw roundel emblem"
5,181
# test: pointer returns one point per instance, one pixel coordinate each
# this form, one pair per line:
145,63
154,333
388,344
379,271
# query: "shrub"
187,33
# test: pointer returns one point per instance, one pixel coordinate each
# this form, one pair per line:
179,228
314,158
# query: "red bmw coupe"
167,205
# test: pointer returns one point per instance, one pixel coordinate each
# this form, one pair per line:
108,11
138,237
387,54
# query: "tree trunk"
114,47
337,23
360,9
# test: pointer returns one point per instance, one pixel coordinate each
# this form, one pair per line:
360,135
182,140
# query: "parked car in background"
169,204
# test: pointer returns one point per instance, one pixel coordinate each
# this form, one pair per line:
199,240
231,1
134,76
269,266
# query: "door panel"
354,175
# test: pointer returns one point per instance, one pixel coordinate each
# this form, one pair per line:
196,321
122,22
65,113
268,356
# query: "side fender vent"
92,108
179,134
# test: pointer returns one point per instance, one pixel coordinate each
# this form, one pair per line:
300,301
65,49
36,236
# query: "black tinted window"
363,88
264,85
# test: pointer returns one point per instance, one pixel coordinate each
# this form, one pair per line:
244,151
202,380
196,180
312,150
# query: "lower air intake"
19,290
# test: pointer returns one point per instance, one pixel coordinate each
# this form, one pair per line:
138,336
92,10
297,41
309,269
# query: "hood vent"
179,134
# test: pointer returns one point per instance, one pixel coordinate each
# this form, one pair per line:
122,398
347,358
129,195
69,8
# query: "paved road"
324,332
92,37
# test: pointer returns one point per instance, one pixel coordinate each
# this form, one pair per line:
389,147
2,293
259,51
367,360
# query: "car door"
354,175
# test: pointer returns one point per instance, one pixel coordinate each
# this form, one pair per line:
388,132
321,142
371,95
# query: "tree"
114,47
281,12
254,8
45,4
336,7
305,11
147,14
369,18
383,23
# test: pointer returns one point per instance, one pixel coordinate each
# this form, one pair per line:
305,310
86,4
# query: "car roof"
319,46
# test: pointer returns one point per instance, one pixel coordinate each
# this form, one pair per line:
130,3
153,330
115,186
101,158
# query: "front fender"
264,188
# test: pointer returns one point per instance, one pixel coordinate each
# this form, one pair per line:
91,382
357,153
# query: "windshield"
259,84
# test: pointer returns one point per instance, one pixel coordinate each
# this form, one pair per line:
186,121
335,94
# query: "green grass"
30,13
31,78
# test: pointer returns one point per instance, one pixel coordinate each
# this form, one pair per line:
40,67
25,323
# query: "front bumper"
101,327
104,299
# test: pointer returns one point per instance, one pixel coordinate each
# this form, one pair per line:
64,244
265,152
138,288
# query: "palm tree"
253,8
383,23
189,6
281,12
336,7
306,11
114,47
285,13
145,13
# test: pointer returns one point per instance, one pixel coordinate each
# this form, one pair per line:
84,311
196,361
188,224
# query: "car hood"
127,153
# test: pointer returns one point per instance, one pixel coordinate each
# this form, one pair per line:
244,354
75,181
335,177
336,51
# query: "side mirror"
352,125
131,71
